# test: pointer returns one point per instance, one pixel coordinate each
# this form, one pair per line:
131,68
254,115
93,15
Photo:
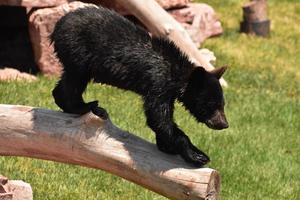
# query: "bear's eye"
201,109
215,105
211,104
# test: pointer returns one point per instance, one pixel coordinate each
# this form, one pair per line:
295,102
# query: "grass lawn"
258,156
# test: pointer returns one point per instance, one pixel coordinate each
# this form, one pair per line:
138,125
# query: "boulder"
10,74
200,20
14,189
41,25
171,4
166,4
32,3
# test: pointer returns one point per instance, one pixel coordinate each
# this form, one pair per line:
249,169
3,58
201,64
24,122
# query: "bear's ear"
197,76
218,72
197,73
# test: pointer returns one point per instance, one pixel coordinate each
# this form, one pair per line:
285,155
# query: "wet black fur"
97,44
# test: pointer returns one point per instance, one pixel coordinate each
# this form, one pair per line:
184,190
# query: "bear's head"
203,97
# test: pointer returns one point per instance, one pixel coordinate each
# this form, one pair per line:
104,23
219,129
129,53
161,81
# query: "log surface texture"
92,142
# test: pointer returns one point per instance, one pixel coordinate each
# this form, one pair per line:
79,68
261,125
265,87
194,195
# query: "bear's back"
98,29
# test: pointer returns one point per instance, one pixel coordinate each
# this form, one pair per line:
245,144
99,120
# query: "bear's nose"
222,124
218,121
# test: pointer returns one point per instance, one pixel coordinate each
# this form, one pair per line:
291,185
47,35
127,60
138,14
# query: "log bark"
92,142
160,23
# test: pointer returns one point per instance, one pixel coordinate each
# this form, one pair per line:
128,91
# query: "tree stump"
255,18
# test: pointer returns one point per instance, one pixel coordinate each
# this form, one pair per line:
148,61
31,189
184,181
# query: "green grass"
258,156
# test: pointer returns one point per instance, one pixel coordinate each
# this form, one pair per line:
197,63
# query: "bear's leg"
68,95
179,143
188,151
169,138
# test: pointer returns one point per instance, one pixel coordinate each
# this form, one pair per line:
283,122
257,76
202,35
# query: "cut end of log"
214,185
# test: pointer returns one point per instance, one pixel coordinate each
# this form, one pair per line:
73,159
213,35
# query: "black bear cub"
100,45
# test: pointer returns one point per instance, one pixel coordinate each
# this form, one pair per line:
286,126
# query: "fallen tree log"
92,142
160,23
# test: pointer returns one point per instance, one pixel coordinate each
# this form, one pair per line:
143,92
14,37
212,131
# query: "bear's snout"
218,121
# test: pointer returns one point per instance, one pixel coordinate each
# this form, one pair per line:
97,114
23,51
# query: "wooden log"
161,23
255,18
92,142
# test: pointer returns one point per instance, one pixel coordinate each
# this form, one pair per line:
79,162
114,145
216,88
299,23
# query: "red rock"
167,4
19,190
33,3
199,20
3,180
41,25
6,196
112,4
10,74
14,190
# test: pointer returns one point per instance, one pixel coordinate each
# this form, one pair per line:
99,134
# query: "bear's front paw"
192,154
80,108
99,111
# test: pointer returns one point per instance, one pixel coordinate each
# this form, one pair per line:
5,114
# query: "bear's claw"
99,111
195,156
